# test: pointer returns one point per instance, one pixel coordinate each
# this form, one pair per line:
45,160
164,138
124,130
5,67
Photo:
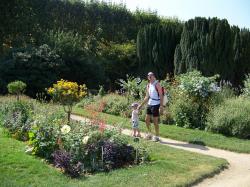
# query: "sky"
237,12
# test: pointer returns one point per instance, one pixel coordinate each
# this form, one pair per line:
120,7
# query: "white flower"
85,140
65,129
181,86
29,150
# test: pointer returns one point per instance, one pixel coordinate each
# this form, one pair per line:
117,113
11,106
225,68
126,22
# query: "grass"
169,167
178,133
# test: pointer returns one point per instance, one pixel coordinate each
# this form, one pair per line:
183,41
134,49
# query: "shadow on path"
187,145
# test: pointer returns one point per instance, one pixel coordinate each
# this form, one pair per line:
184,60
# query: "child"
135,120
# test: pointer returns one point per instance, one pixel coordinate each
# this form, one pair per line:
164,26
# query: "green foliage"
67,94
16,88
96,41
246,89
114,104
156,46
178,133
90,45
36,66
86,101
225,92
16,117
111,103
66,44
191,99
196,85
68,145
231,118
38,173
133,87
213,47
101,91
119,60
187,113
44,132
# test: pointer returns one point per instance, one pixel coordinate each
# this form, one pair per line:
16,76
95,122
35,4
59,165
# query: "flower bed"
77,148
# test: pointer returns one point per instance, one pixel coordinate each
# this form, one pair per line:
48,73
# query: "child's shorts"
135,124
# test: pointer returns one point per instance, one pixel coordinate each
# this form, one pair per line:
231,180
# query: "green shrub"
196,85
67,94
116,105
112,104
187,113
190,99
219,97
101,91
16,88
134,88
231,118
16,118
87,101
246,89
45,132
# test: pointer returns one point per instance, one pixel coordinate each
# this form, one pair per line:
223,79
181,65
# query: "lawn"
178,133
169,167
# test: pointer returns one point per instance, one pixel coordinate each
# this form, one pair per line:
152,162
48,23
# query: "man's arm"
144,101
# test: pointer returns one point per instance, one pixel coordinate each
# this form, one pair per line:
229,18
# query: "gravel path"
237,174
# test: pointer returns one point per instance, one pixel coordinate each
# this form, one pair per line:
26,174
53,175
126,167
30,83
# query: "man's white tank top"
154,98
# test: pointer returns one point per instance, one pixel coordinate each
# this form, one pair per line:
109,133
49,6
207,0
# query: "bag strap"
155,83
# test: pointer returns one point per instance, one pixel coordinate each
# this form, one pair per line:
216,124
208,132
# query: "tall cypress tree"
213,47
156,46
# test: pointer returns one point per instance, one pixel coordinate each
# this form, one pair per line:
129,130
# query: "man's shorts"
153,110
135,124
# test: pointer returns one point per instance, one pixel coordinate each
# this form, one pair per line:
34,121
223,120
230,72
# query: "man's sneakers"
156,139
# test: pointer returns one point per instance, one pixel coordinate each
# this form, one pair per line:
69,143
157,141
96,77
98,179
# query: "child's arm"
138,111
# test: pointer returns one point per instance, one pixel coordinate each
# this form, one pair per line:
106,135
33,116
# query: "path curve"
237,174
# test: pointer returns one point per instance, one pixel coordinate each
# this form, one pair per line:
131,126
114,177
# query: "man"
154,99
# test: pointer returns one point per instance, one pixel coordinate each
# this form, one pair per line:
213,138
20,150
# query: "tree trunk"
69,117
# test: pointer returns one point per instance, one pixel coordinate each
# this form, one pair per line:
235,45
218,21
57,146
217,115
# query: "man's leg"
147,120
156,115
156,124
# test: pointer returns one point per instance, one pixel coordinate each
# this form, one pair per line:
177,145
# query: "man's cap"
150,73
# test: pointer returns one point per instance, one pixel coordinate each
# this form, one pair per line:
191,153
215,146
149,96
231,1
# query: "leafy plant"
116,105
115,155
45,133
132,87
17,117
191,99
196,85
63,159
246,89
231,118
101,91
66,44
187,113
225,92
16,88
67,94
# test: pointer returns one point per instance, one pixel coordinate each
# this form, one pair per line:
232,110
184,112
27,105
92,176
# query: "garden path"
236,175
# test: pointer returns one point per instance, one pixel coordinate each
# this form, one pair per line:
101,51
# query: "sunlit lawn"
169,167
178,133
